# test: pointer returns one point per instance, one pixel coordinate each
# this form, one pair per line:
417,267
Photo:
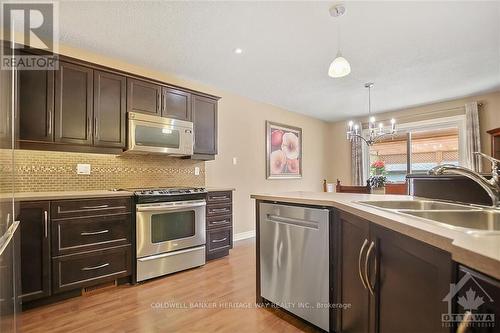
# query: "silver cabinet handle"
94,233
158,101
95,267
293,221
219,240
368,283
219,209
95,207
221,197
464,324
49,125
46,223
359,262
219,222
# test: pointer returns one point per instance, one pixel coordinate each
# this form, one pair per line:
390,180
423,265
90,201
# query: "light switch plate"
196,171
83,169
235,160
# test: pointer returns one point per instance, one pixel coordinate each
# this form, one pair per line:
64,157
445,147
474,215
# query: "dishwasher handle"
293,221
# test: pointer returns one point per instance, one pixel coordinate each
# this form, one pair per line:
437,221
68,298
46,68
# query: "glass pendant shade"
339,67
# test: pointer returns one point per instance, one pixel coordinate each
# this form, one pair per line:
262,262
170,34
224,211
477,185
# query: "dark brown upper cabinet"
109,109
35,250
205,127
73,104
36,105
143,96
176,104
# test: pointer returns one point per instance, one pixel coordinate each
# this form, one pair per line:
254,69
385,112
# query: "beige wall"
242,135
489,118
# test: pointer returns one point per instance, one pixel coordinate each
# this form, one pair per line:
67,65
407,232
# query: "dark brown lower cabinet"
35,250
219,224
394,283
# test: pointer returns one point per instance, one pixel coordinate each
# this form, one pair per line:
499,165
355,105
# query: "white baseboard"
243,235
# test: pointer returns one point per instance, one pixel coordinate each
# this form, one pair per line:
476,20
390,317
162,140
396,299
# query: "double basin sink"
467,218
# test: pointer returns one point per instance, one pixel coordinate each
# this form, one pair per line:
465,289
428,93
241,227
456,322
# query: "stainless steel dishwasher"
294,252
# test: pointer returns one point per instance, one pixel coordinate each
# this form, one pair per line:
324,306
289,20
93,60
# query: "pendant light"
339,67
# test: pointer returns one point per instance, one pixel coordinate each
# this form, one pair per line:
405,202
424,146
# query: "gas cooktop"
167,191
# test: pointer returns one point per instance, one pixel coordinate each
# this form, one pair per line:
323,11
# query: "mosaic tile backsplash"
37,171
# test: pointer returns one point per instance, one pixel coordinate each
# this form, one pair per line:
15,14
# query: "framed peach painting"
284,151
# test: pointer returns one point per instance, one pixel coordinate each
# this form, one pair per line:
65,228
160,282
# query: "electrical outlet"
196,171
83,169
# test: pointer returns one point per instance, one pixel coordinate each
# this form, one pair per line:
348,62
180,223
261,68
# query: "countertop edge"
464,256
63,195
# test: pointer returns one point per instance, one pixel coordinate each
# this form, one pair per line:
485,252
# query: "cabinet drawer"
219,221
89,207
87,269
219,239
219,209
220,196
90,233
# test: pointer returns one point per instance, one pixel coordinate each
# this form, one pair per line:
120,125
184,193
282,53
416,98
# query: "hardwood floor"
149,307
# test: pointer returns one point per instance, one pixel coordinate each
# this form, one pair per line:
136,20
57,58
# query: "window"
418,147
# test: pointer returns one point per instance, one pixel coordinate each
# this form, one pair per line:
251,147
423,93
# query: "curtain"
473,137
358,173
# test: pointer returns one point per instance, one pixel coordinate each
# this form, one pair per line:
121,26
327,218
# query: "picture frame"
283,151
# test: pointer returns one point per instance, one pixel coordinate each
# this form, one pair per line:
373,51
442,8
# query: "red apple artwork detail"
284,149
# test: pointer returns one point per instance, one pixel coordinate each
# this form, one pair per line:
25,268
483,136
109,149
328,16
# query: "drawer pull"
219,210
221,197
95,267
94,232
219,222
95,207
219,240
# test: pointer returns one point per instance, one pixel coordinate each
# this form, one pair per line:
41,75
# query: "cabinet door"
109,109
354,242
36,105
205,125
410,282
176,104
73,104
35,250
144,97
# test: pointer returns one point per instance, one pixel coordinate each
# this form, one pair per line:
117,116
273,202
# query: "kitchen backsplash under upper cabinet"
82,107
37,171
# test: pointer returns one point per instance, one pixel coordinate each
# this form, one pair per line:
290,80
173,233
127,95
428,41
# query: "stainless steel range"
170,230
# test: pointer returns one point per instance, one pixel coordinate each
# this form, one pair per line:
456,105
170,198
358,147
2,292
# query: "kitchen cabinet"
143,96
176,104
36,105
35,250
495,142
392,281
73,104
205,127
484,289
67,245
219,224
110,91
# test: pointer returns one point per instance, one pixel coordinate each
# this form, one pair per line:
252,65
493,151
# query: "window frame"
429,124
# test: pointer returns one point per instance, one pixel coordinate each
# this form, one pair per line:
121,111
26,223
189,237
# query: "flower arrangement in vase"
377,178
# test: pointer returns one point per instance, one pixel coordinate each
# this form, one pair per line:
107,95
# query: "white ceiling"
415,52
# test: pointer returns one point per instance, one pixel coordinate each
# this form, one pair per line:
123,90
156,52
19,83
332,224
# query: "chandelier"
376,133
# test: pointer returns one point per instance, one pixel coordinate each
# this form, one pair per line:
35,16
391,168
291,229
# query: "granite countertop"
58,195
478,251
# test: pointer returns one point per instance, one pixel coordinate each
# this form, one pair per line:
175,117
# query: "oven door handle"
169,207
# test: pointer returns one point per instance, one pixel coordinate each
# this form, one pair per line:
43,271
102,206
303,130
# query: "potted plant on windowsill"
377,177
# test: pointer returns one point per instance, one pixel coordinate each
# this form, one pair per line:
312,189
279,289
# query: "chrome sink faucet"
492,186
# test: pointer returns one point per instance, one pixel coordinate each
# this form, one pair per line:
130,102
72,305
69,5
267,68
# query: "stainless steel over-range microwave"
153,134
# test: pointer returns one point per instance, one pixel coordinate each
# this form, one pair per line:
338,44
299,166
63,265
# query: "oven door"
169,226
